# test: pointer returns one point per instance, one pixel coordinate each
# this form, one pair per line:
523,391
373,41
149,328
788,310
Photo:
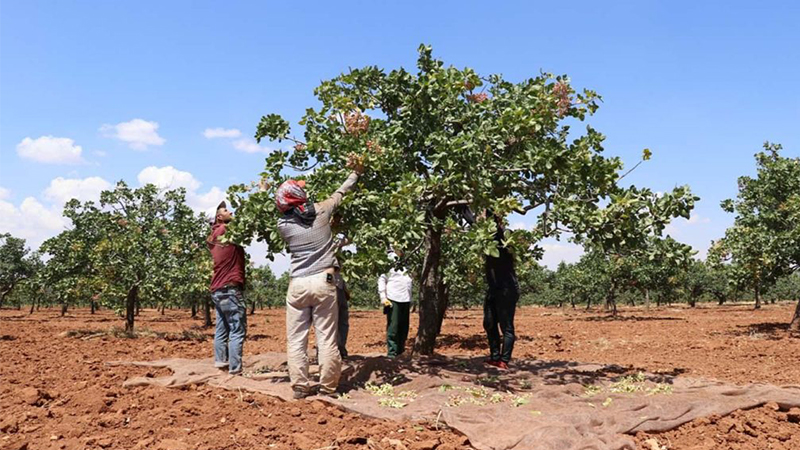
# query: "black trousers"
343,327
498,311
397,318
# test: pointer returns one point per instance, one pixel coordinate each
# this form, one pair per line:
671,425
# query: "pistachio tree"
696,280
580,282
134,243
660,268
763,244
17,264
439,140
264,288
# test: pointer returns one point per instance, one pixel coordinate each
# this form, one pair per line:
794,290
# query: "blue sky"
136,84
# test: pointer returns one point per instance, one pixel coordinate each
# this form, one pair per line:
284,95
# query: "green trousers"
397,327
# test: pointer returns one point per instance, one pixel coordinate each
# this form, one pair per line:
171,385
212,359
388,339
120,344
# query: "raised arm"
356,163
333,202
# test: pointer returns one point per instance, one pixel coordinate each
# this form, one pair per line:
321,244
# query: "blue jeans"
231,328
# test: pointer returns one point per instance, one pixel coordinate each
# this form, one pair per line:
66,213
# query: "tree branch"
456,203
630,170
301,169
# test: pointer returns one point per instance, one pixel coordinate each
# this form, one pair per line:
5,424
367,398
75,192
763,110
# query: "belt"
230,285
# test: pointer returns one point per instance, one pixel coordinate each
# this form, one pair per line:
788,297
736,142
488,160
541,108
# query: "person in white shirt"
394,288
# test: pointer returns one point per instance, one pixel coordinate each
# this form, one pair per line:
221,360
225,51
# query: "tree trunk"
758,297
432,298
194,309
3,297
647,298
63,309
130,308
94,306
138,306
163,307
692,300
207,311
253,307
33,305
795,325
611,300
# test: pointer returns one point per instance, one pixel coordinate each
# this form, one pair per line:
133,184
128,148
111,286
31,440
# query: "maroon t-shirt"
228,260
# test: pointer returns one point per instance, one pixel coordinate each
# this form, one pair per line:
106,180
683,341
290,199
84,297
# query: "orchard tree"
580,281
659,267
263,287
764,242
189,266
16,263
435,142
786,288
70,270
135,243
639,259
696,280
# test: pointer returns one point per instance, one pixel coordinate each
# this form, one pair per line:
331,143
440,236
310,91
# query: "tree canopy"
135,242
17,263
442,139
763,244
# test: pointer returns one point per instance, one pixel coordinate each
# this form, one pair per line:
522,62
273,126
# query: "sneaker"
330,394
299,395
502,365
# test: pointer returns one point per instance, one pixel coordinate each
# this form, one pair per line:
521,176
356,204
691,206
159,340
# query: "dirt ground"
57,393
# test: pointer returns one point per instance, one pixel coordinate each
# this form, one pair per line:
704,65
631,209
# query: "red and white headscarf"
290,195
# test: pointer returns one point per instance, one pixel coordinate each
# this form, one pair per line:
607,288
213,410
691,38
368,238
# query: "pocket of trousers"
325,289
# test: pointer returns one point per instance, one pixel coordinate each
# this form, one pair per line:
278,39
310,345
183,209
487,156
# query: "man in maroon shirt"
227,290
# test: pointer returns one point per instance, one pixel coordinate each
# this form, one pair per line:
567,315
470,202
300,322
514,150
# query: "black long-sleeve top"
500,273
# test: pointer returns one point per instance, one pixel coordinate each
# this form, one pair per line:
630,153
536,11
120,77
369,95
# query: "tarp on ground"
549,405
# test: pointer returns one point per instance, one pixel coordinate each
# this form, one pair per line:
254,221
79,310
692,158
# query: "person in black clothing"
500,302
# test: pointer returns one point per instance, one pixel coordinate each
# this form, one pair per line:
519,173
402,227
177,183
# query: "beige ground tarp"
549,405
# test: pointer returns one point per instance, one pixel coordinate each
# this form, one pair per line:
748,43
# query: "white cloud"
556,252
61,190
248,146
50,150
4,193
696,218
211,133
100,153
258,254
207,202
675,227
168,177
31,221
138,133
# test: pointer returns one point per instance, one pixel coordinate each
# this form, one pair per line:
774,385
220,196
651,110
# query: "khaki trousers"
312,299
